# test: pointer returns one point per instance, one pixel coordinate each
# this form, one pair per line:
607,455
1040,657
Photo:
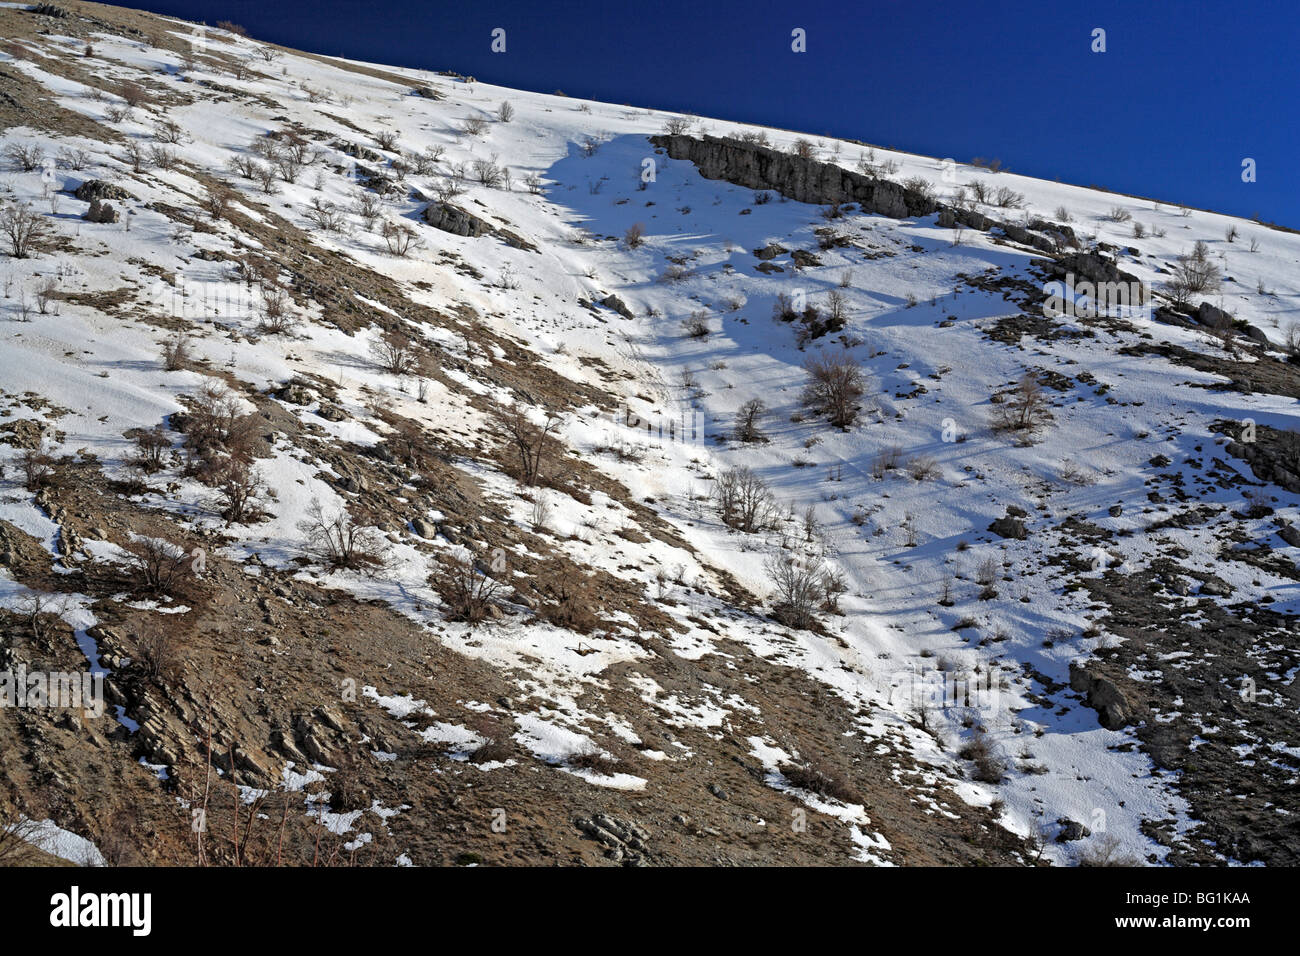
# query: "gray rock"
1103,695
101,211
455,220
1071,830
1009,527
100,189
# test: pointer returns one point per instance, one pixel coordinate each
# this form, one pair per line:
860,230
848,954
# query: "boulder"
1071,830
1009,527
100,211
100,189
1103,695
455,220
1213,317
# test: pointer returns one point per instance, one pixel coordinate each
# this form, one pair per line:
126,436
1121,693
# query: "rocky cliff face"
795,177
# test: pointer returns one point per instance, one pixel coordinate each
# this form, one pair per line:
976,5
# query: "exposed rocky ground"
394,459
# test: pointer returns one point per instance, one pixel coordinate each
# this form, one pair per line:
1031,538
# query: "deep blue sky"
1184,92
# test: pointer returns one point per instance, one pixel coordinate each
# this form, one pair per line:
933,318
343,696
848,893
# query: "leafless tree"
216,199
22,228
395,352
25,156
533,444
37,467
176,352
799,586
240,487
749,421
150,447
277,312
835,385
160,566
466,590
635,235
339,542
1025,409
744,500
399,237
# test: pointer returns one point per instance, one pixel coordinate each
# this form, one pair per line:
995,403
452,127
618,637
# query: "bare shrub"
133,94
277,312
73,158
158,565
47,296
22,229
1008,198
886,460
803,148
367,207
150,449
339,542
386,139
1106,850
744,500
489,173
749,421
1118,214
1196,272
474,126
176,352
533,444
836,382
240,487
325,216
1025,409
677,125
395,352
399,237
570,597
265,176
505,112
19,840
158,647
798,588
216,200
919,185
990,767
466,590
37,467
923,468
169,131
815,777
215,428
696,325
635,235
25,156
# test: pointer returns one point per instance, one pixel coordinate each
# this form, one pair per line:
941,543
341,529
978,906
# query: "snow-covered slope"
948,656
